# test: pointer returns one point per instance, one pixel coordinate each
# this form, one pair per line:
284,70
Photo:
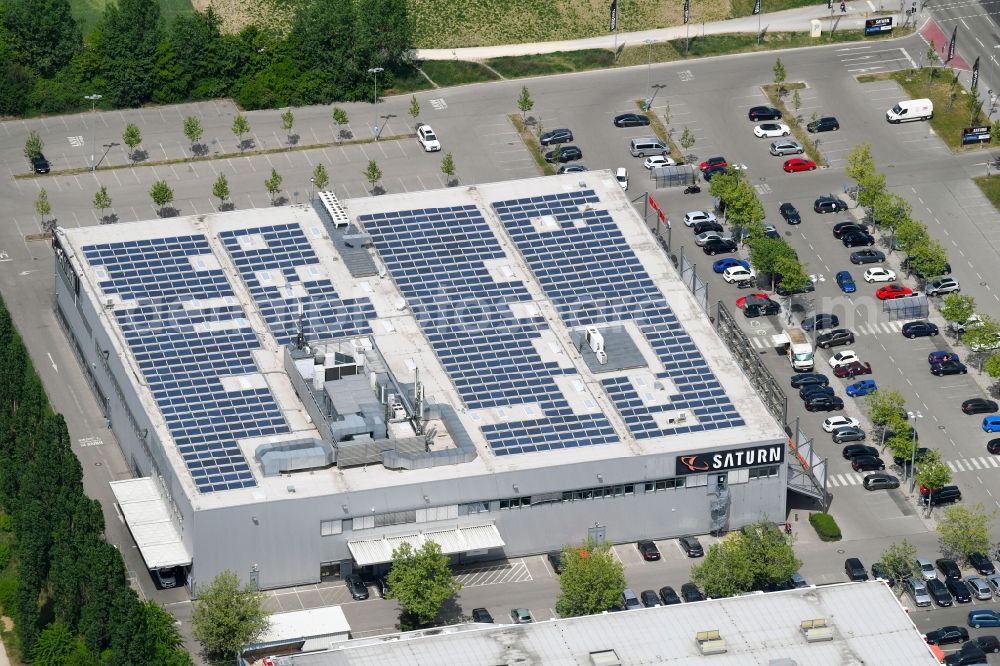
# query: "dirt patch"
8,624
238,14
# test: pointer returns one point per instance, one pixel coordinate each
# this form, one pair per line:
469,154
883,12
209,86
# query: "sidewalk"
791,20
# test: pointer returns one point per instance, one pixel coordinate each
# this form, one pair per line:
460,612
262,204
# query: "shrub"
825,526
6,523
8,596
4,555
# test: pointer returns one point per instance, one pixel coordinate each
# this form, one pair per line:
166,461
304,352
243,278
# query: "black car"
382,586
763,113
691,546
916,456
829,205
959,590
939,593
947,635
880,481
948,368
881,572
649,551
356,587
834,338
782,291
825,124
857,239
979,406
868,256
631,120
482,616
805,378
843,228
854,450
867,463
944,495
668,596
766,308
969,655
708,225
719,246
993,446
854,569
555,559
826,403
711,172
790,213
820,321
987,643
564,154
848,434
690,592
556,136
919,329
948,567
39,164
982,563
814,391
650,599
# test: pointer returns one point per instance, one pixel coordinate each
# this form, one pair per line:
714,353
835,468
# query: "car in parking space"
840,229
750,299
829,205
942,356
917,455
857,239
766,308
943,495
993,446
621,175
702,227
809,392
852,370
843,358
982,563
693,217
846,282
879,274
854,569
881,572
824,124
959,590
668,596
719,245
987,643
891,291
984,618
917,588
165,577
827,403
631,120
947,635
805,378
868,256
991,424
820,321
691,546
690,592
654,161
650,599
521,616
356,586
854,450
39,164
906,266
482,616
927,570
880,481
979,406
862,388
382,586
968,655
770,231
848,434
919,329
867,464
789,213
572,168
832,423
555,559
939,593
561,135
948,567
784,147
563,154
771,130
835,338
710,173
714,163
942,286
797,164
649,551
722,264
706,236
738,274
980,588
763,113
427,138
948,368
782,291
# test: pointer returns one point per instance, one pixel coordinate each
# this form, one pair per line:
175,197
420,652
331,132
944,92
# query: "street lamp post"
657,87
93,130
649,66
312,186
913,447
375,71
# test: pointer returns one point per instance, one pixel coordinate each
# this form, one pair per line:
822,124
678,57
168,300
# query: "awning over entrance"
457,540
148,518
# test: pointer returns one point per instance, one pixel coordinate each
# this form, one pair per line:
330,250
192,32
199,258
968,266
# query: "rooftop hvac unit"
816,630
595,340
710,642
602,357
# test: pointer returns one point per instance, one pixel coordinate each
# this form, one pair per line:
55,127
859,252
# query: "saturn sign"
718,461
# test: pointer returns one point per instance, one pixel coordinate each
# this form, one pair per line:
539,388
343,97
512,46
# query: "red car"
853,369
892,291
799,164
742,300
714,162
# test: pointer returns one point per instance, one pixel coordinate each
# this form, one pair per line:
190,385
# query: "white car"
771,130
845,357
428,139
927,570
621,175
701,239
737,273
841,421
654,161
879,274
696,216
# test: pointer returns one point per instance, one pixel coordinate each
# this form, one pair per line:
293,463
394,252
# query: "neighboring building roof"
323,621
148,518
868,624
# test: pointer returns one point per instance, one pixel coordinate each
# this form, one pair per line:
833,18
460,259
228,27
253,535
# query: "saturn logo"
691,462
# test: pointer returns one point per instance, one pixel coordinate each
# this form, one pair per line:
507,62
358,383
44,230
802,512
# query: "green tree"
273,184
240,127
870,189
340,119
900,442
524,102
33,145
910,233
750,559
193,131
889,210
42,205
382,33
958,307
779,75
592,580
992,365
928,259
995,131
127,40
687,139
666,117
162,195
448,167
744,209
766,254
932,473
793,274
973,105
860,163
796,103
931,54
414,107
965,530
132,137
220,189
372,173
102,200
44,31
227,616
885,405
320,177
771,551
982,335
164,636
901,561
287,122
421,581
723,185
54,646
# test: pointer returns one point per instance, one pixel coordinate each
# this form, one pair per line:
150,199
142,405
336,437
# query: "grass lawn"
990,185
552,63
456,72
950,116
88,12
745,7
530,140
409,81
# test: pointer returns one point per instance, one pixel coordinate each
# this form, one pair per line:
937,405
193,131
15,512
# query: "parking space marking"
515,571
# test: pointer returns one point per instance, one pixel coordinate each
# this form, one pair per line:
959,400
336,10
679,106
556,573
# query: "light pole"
375,71
649,66
312,185
657,87
93,130
913,448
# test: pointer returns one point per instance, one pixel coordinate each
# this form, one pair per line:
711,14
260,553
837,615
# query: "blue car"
984,618
991,424
861,388
936,357
722,264
846,282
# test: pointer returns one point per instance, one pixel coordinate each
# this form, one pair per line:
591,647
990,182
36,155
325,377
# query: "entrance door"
596,533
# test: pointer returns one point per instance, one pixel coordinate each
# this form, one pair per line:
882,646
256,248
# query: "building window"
395,518
330,527
770,471
514,502
473,508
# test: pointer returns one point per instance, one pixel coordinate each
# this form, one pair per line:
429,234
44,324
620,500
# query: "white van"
910,109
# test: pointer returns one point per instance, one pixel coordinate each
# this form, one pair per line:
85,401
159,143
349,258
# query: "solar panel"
593,277
187,332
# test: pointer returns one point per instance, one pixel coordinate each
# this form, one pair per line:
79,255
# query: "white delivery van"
910,109
796,344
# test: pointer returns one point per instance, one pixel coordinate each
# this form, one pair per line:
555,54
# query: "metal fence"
691,280
812,478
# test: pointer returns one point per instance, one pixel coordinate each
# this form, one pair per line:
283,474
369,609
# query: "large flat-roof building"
502,369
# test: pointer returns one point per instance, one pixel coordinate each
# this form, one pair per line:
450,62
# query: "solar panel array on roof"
436,256
286,249
187,331
593,277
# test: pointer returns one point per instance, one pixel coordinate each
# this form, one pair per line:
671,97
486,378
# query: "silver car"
786,147
979,587
926,568
918,591
994,580
941,286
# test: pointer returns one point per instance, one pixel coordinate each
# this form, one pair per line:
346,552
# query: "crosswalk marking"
837,480
439,104
882,327
975,463
961,465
